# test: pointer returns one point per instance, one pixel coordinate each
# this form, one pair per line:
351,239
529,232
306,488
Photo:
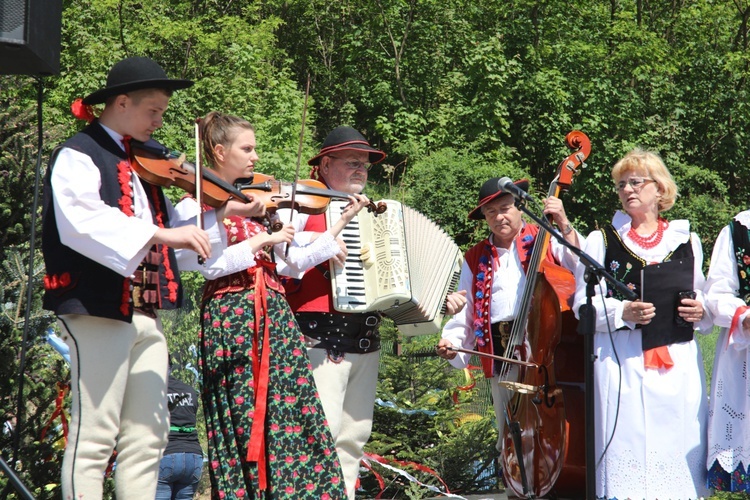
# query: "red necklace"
652,239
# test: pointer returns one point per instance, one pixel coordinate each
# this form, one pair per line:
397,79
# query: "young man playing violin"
108,240
503,255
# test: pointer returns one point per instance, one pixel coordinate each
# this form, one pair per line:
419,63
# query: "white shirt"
509,281
96,230
304,253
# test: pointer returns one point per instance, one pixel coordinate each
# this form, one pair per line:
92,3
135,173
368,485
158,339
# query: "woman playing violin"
266,428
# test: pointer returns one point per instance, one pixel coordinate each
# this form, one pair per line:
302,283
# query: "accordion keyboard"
400,263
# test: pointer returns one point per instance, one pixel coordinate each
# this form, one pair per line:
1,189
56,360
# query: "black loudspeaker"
30,37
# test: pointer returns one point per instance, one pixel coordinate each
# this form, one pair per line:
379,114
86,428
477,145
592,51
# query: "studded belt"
357,333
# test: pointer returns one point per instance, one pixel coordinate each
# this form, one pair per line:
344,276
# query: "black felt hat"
135,73
345,138
489,191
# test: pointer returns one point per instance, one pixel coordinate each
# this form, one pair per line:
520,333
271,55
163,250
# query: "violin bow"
512,361
198,180
299,156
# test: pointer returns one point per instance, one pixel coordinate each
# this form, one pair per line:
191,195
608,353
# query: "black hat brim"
477,214
376,156
102,95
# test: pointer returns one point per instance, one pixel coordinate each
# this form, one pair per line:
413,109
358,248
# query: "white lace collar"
743,218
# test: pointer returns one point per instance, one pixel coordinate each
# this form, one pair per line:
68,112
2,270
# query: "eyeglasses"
354,164
636,183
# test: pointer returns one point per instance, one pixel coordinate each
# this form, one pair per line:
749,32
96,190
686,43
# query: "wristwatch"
568,229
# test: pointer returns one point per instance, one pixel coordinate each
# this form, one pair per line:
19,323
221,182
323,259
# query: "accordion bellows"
399,263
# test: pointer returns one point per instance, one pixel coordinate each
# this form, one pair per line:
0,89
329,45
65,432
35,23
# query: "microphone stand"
586,327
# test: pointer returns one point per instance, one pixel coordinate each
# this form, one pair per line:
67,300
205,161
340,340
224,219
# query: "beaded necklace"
652,239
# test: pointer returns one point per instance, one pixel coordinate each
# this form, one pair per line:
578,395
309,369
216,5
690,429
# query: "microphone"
506,185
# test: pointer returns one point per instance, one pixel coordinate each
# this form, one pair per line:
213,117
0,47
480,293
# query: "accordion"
399,263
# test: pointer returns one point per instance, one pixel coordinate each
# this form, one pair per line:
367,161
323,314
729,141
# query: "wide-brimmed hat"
345,138
135,73
489,191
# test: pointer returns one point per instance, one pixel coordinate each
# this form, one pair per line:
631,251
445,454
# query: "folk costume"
650,417
494,279
344,349
268,436
727,293
106,284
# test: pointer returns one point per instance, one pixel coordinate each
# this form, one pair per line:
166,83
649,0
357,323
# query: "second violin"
312,196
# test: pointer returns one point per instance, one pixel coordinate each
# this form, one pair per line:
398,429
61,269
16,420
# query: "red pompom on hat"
82,111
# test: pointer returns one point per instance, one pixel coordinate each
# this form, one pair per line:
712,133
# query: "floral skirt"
721,480
300,453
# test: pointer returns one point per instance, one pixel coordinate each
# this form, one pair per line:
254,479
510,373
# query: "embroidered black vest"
625,266
75,284
741,242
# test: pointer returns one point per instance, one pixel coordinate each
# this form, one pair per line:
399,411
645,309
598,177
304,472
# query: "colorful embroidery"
172,285
743,269
741,242
481,299
125,178
614,267
55,281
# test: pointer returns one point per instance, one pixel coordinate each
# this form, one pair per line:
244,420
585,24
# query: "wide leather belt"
500,336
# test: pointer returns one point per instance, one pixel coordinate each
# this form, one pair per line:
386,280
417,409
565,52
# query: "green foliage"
445,187
36,461
455,92
418,424
18,159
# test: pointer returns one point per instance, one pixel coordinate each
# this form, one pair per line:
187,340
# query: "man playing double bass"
499,263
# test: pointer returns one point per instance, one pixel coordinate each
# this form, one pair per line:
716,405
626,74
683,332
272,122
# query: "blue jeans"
179,474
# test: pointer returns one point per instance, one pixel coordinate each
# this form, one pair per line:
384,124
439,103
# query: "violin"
158,165
312,197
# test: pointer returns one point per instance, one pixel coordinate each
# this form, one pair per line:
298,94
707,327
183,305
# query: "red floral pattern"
300,456
125,178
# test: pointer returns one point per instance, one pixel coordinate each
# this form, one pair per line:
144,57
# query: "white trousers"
347,393
119,400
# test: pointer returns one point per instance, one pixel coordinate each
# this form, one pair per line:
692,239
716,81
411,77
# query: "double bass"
537,449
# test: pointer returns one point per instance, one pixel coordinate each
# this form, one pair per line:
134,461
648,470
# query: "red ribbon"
402,463
62,390
736,320
468,387
658,357
256,450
